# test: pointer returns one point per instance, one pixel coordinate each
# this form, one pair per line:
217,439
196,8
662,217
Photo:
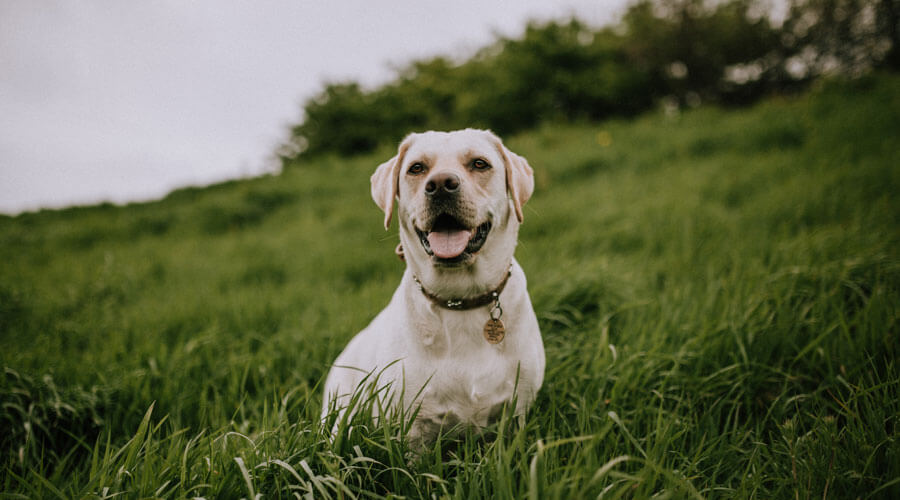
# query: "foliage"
676,52
700,53
841,36
506,87
718,291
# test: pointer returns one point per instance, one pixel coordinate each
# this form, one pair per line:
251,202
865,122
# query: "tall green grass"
718,291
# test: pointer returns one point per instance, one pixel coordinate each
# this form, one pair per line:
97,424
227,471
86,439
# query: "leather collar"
466,303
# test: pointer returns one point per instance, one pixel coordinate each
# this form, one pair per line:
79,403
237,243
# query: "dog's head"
460,197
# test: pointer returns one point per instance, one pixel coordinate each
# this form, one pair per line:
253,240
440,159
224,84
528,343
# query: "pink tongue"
449,244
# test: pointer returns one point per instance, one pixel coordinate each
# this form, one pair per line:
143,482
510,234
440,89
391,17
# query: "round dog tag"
494,331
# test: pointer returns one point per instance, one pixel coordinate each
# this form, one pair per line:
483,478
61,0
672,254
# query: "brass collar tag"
494,329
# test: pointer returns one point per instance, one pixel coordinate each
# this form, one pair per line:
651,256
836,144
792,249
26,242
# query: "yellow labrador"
459,336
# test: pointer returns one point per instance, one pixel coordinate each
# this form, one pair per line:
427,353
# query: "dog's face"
460,197
452,194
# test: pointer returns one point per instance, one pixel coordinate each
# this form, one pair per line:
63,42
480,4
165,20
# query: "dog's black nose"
442,182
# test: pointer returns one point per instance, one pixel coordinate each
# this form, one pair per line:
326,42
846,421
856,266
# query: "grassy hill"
718,291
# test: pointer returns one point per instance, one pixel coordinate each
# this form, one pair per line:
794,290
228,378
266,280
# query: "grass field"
718,292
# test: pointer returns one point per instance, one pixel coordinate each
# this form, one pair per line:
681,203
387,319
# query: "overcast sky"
123,101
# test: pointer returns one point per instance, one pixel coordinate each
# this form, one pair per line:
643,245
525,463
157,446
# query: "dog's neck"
455,283
465,303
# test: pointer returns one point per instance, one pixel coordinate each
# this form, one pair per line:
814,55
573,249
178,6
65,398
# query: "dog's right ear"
386,182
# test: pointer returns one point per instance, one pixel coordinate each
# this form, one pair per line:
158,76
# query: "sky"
125,101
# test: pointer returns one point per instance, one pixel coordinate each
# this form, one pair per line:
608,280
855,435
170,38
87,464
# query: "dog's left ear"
519,177
385,182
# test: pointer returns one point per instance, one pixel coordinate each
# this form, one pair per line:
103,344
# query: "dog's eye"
416,168
479,164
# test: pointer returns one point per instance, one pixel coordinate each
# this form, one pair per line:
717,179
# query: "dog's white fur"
438,359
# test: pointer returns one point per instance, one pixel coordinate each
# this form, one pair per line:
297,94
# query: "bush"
683,51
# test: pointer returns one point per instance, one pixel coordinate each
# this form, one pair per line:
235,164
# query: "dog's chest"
467,382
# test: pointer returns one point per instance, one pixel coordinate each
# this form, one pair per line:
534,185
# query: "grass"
718,291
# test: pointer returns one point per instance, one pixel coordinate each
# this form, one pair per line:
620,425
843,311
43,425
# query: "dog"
459,339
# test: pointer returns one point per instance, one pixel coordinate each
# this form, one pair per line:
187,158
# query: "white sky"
124,101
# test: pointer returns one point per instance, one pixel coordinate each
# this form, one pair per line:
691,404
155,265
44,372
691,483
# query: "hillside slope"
719,294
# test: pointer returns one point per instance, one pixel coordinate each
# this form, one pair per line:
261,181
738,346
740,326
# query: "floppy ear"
519,178
385,182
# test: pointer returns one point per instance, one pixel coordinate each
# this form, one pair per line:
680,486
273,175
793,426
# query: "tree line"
677,52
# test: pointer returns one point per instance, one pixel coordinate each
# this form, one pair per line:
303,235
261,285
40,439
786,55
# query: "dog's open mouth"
450,240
